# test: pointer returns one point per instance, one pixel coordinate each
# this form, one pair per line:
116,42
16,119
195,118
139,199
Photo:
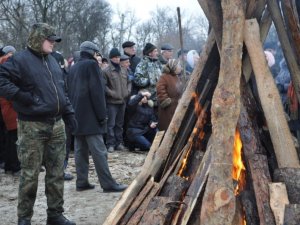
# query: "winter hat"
39,33
171,66
124,57
8,49
59,58
179,52
148,48
270,58
89,47
127,44
114,52
191,56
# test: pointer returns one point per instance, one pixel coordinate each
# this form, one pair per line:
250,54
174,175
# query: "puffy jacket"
40,76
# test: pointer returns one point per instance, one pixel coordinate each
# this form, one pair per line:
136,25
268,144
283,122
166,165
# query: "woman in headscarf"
169,90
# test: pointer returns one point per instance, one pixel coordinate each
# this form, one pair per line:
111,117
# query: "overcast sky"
142,8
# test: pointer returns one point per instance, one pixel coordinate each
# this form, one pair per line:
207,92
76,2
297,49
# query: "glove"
24,97
165,103
70,122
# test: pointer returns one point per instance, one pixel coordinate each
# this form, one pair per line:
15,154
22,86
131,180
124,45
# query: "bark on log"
278,201
219,201
285,44
292,214
291,178
249,203
253,151
285,151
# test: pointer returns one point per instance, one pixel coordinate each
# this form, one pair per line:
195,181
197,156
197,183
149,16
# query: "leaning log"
219,201
292,214
285,151
278,201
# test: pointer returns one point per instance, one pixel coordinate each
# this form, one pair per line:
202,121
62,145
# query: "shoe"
86,187
59,220
121,147
116,188
22,221
68,176
111,149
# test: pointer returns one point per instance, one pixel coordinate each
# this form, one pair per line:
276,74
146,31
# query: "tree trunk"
219,201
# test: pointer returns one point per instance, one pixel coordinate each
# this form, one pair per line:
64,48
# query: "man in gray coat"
86,90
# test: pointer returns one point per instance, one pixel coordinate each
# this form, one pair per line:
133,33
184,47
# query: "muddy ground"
85,208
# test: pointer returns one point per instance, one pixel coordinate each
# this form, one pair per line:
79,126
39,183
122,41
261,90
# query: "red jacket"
9,114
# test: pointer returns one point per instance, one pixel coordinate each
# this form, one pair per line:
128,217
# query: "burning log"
285,151
218,206
255,156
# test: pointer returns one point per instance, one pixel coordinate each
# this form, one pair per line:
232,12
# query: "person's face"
130,50
99,59
116,59
48,46
125,63
167,54
154,54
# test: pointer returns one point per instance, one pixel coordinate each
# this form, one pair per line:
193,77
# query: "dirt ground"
85,208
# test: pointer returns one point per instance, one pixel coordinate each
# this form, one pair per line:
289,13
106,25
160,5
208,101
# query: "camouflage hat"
39,33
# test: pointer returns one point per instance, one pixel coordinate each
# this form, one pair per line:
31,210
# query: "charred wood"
292,214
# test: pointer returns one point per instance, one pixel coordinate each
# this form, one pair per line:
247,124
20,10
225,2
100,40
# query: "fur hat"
114,52
148,48
89,47
171,66
270,58
127,44
191,56
39,33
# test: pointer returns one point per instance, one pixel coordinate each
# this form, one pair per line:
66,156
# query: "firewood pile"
228,156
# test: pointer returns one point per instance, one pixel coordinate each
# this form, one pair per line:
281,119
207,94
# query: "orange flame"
238,171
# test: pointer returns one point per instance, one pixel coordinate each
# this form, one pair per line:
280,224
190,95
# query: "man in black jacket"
86,89
33,80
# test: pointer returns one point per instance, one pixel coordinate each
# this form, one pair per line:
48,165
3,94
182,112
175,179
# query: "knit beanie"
171,66
191,56
148,48
114,52
270,58
89,47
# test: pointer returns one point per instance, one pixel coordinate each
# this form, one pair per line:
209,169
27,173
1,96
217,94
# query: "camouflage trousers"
40,144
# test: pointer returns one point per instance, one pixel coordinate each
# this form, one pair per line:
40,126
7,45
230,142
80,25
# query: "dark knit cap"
124,57
114,52
128,44
148,48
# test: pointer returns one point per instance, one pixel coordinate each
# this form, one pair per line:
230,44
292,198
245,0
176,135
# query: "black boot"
22,221
59,220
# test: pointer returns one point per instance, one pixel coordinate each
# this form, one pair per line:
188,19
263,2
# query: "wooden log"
219,201
136,186
278,201
292,214
255,160
159,211
285,151
291,178
290,58
137,201
250,209
196,187
292,23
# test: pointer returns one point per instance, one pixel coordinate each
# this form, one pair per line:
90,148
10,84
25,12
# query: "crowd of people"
88,103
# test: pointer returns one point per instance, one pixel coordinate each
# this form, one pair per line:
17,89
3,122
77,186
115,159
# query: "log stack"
187,176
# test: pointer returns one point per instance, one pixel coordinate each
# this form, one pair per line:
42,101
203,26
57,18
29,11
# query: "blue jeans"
144,141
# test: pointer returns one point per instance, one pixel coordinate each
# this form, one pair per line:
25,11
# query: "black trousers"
11,158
